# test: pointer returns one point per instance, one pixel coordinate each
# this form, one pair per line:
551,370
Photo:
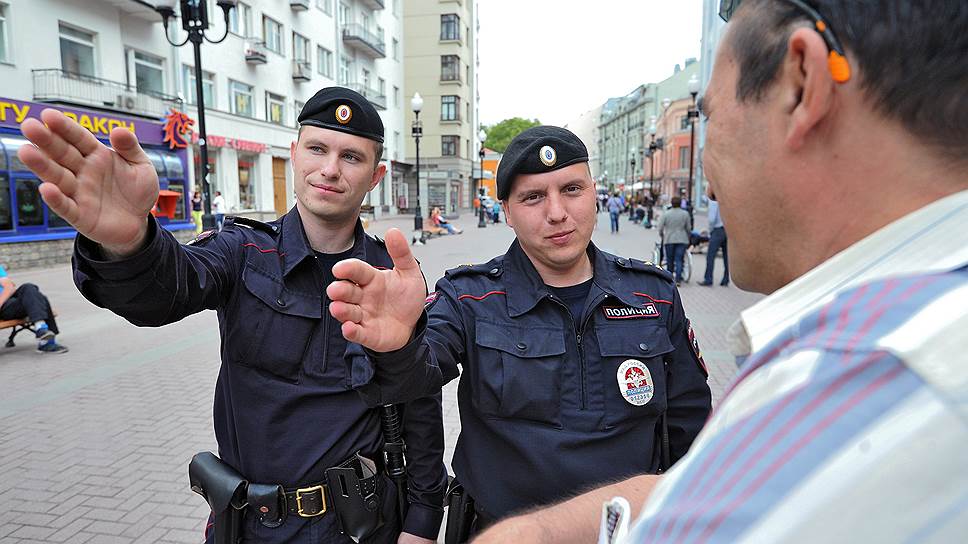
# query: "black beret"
345,110
538,150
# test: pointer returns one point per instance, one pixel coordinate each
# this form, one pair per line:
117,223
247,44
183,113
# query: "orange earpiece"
839,68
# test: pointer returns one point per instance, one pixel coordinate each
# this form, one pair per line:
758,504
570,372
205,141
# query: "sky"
556,59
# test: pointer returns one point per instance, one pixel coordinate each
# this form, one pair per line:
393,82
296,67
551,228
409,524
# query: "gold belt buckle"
306,490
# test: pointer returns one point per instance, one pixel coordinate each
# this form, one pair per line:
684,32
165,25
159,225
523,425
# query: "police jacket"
285,405
550,406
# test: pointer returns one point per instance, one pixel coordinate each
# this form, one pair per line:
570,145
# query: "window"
684,122
448,146
77,51
275,108
324,61
365,21
396,145
449,27
240,20
344,70
450,108
241,96
344,13
449,68
684,157
300,48
247,162
297,110
208,86
149,74
396,96
381,86
468,111
326,6
396,49
272,34
4,46
366,79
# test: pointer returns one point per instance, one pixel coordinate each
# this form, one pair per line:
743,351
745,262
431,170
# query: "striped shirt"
848,421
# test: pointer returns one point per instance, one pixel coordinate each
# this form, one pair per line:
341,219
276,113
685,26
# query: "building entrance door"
279,185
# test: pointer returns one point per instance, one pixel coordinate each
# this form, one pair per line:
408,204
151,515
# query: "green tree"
501,134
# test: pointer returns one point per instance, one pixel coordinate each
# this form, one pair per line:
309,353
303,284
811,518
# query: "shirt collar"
923,241
294,245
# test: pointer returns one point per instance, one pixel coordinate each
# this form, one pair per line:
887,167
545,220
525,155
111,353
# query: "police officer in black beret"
287,417
579,367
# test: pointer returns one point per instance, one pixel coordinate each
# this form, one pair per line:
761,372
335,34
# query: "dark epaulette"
643,266
491,268
269,228
377,240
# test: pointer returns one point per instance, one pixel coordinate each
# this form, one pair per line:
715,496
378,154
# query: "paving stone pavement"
94,444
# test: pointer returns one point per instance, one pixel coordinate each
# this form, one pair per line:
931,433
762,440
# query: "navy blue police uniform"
557,395
286,408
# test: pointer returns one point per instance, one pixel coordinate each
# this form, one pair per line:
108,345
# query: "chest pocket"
275,325
632,360
518,372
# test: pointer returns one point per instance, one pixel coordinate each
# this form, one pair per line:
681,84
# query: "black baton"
394,450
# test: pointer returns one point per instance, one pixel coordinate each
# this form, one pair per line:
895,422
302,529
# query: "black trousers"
717,240
28,302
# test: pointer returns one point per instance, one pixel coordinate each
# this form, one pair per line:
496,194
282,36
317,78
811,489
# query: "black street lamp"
194,16
416,104
692,116
652,149
481,223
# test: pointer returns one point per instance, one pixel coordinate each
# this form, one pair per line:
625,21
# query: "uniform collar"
525,288
924,241
294,245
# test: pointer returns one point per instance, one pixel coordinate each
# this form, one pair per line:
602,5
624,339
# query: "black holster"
460,514
224,490
357,492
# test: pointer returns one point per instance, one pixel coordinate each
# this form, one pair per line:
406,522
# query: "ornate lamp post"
416,104
194,16
693,115
481,223
652,149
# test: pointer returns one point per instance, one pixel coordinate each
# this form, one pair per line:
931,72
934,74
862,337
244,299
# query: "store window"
198,170
450,108
272,34
275,108
77,51
158,162
208,86
449,68
4,31
173,166
449,27
241,97
30,207
324,61
240,20
247,163
448,145
149,73
6,213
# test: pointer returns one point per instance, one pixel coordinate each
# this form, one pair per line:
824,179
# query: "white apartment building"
112,56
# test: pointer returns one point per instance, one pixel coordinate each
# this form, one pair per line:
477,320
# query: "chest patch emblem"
630,312
635,382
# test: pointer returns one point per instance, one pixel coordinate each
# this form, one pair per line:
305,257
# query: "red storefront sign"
233,143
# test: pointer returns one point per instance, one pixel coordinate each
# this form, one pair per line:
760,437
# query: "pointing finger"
73,133
399,250
355,271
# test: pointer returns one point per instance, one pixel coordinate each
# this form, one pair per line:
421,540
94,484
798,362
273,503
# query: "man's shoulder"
636,267
473,273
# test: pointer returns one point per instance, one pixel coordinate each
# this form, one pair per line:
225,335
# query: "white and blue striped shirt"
848,421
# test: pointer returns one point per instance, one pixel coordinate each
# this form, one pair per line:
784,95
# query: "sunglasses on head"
836,60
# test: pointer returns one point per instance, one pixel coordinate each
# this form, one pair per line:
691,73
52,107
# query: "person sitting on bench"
27,302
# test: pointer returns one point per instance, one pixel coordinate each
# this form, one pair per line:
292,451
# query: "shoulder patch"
695,349
252,224
202,237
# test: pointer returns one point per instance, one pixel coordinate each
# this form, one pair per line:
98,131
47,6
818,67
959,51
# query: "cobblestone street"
94,444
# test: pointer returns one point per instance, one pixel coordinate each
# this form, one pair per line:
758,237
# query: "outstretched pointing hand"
105,194
379,308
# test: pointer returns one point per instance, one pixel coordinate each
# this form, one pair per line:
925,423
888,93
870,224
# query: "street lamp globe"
481,135
416,103
693,85
652,128
666,102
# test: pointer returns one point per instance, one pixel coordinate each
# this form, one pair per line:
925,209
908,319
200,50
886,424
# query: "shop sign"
177,125
13,112
233,143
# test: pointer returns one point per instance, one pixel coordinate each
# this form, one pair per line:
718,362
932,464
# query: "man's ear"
806,85
507,213
378,174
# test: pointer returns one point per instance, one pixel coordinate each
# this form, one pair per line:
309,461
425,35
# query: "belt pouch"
356,490
224,489
268,503
460,514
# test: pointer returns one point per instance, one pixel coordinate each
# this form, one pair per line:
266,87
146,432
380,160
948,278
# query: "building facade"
112,57
713,28
586,127
441,65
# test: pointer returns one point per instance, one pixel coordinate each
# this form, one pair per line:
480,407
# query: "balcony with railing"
299,5
378,99
56,85
374,4
256,51
368,43
302,70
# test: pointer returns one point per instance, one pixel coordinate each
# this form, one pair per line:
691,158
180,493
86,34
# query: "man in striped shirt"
841,168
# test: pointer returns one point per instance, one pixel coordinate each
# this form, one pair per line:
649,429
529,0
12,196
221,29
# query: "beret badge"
343,114
548,156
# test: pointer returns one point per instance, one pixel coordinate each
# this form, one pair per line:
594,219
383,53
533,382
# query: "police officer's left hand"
407,538
379,308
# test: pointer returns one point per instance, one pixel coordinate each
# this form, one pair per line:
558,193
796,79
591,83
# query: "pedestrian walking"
615,207
855,367
675,227
197,212
295,439
218,208
717,240
27,302
584,365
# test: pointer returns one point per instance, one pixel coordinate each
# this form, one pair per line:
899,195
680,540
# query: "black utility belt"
352,489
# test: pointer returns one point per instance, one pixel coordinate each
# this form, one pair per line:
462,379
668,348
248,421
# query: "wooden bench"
18,325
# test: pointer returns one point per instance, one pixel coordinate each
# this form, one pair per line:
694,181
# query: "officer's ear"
378,174
507,213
